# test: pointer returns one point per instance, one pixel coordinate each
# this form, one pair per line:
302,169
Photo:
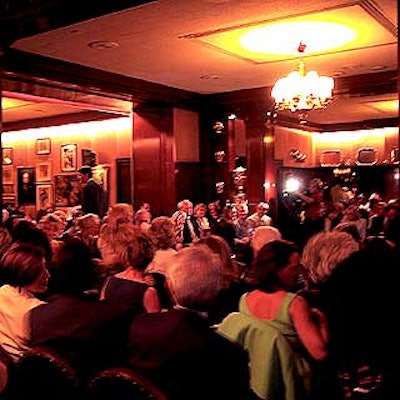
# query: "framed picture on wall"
26,185
330,158
43,146
9,189
9,199
67,190
8,174
44,196
69,160
100,175
8,155
366,156
43,172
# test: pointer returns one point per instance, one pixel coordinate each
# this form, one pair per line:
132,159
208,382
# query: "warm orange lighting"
365,136
350,27
384,105
283,38
268,139
302,91
82,129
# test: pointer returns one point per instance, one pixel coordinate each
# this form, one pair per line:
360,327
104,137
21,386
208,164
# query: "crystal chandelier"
302,91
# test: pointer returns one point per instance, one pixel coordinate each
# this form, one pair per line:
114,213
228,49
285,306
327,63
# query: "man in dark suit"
177,348
93,196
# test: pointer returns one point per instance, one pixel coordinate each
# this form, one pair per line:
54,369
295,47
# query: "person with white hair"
177,348
260,217
262,235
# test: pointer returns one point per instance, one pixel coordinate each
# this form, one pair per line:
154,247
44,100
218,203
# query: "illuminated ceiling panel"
363,31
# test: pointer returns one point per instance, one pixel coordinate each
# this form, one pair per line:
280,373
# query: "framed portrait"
366,156
8,155
43,172
67,190
9,190
43,146
89,157
69,160
44,196
8,174
26,185
100,175
330,158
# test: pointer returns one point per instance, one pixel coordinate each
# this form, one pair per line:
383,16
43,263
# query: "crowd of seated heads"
184,355
128,255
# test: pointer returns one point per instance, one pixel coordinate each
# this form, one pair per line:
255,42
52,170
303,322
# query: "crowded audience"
207,302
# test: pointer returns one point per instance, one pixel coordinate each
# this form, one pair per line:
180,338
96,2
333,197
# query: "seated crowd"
210,302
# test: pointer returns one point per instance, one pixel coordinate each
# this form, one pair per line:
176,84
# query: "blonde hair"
324,251
263,235
120,213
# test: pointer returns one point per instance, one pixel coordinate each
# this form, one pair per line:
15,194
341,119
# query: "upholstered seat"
5,365
44,373
122,383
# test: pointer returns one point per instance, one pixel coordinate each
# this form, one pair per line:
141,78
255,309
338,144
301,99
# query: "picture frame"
9,190
43,172
89,157
367,156
44,196
26,185
8,155
68,157
8,174
331,158
100,174
67,190
43,146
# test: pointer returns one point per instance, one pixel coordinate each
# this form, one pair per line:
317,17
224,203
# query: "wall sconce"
220,187
218,127
219,156
239,178
297,155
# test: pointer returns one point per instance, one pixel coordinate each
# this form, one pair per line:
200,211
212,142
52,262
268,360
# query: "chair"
122,383
45,373
5,366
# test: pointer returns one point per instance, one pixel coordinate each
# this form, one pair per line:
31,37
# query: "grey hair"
196,277
324,251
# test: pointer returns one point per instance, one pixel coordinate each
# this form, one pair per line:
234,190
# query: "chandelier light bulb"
302,91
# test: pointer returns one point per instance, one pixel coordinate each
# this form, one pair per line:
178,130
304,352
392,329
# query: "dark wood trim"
24,67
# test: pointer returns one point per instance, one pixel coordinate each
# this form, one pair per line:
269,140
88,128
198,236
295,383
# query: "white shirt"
15,304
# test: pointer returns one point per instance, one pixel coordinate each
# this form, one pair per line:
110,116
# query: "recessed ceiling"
18,109
160,42
328,32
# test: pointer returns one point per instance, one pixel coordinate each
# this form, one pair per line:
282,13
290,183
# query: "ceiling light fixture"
302,91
